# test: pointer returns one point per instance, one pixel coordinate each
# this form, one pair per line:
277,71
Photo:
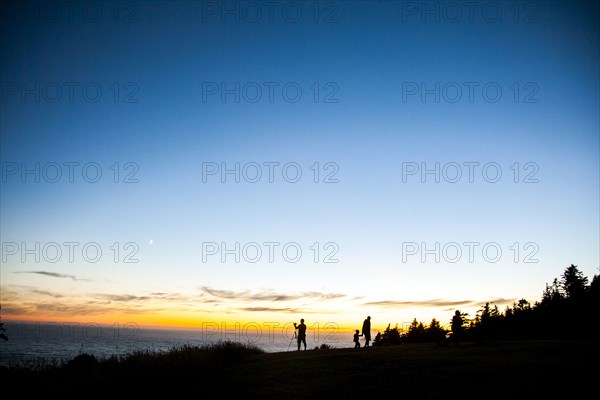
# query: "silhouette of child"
356,342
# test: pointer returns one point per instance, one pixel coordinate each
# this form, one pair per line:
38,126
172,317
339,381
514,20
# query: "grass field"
497,370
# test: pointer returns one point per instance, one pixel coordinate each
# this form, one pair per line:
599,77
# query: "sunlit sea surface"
31,342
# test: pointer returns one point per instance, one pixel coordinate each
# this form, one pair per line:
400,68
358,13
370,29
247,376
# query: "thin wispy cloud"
433,303
295,310
271,297
501,301
225,294
47,293
24,293
54,275
123,297
81,308
268,295
266,309
324,296
419,303
31,301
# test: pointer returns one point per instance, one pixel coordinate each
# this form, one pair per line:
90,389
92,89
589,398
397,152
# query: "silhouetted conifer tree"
2,329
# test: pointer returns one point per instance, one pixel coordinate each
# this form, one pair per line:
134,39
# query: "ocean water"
32,342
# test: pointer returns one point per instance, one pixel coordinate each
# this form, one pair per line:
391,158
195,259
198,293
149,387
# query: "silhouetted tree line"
2,329
568,309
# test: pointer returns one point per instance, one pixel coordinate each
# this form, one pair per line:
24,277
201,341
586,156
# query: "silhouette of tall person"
301,333
366,330
457,322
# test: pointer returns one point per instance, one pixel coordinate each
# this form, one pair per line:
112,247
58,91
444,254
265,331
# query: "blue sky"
163,58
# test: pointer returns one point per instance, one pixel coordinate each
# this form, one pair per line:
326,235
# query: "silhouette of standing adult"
366,330
301,333
457,329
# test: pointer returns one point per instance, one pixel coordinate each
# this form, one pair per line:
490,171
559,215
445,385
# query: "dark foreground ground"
497,370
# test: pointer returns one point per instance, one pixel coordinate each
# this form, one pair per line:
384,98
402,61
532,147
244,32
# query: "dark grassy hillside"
498,370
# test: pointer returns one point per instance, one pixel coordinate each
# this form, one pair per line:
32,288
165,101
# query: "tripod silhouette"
291,340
